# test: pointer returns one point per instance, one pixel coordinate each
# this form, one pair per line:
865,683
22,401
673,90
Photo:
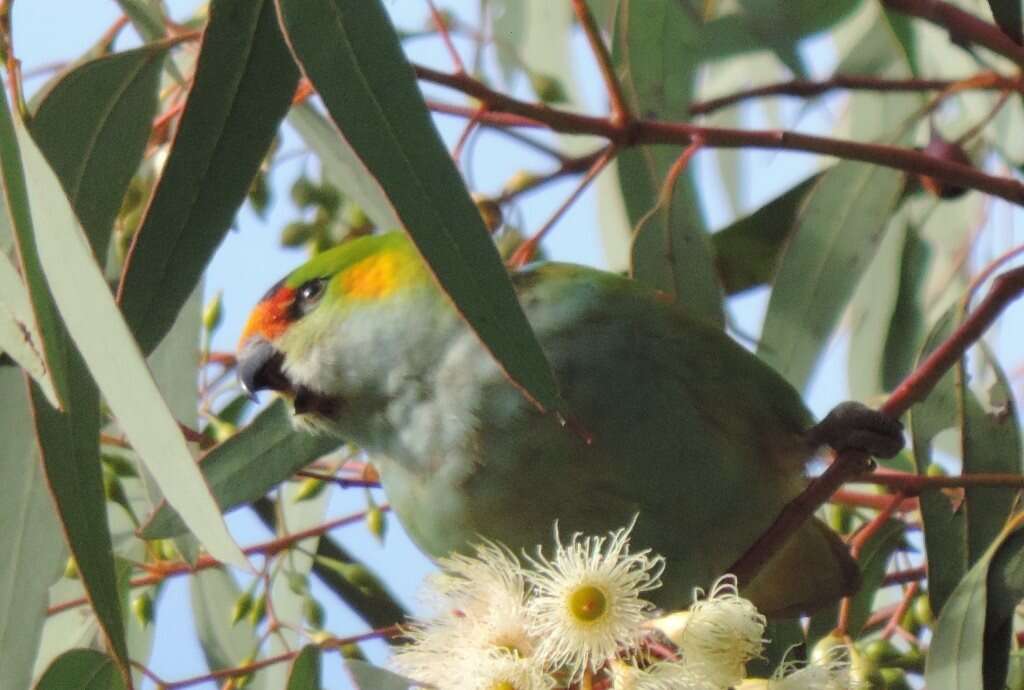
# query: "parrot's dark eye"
309,293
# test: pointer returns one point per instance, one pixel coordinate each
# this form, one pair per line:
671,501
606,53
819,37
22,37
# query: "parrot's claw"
853,426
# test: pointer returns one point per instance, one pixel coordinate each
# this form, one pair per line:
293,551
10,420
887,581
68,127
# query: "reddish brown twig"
524,253
506,111
620,109
913,484
894,619
902,576
246,669
856,544
161,570
963,27
442,28
806,88
851,464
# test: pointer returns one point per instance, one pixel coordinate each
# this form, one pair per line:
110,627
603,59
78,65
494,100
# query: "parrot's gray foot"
853,426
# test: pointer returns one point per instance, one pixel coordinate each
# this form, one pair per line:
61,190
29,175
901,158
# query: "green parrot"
685,429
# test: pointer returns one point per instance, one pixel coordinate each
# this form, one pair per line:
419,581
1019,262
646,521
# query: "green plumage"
672,421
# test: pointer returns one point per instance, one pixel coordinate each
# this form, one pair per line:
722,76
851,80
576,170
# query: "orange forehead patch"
270,317
374,277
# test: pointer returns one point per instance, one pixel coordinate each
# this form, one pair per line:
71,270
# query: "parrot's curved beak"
259,367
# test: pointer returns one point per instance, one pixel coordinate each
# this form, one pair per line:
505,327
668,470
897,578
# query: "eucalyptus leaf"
350,52
82,669
101,334
243,85
367,677
838,229
305,671
112,101
30,539
945,536
656,46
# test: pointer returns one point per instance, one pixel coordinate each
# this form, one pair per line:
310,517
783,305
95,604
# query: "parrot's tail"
812,570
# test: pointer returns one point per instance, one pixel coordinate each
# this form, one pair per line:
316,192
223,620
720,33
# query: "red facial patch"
271,316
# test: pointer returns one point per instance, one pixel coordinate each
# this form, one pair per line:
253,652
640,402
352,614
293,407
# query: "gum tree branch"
850,465
503,110
963,27
806,88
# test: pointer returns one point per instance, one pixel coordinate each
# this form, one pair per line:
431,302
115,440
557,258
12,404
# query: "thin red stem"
527,249
620,109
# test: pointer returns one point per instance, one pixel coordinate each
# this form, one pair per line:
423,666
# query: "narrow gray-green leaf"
657,47
1005,584
944,529
367,677
111,101
747,252
956,652
342,167
351,54
990,443
305,671
102,336
82,669
907,326
246,466
244,82
67,437
18,219
224,644
838,230
19,337
1007,14
965,651
30,539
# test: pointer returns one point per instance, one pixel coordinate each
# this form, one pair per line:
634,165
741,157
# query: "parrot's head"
329,334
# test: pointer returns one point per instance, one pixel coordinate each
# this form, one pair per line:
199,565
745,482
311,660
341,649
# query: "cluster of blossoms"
578,620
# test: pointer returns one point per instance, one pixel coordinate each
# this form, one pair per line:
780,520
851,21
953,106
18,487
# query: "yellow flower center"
502,685
588,603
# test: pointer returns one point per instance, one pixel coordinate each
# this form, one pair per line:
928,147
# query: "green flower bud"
352,651
490,212
313,612
547,88
259,610
113,490
242,607
213,313
297,233
895,679
881,652
297,583
309,488
923,610
303,192
142,608
259,194
520,180
119,465
353,216
375,521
